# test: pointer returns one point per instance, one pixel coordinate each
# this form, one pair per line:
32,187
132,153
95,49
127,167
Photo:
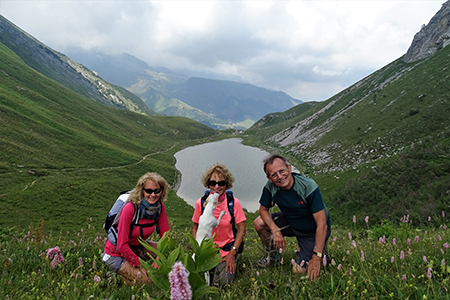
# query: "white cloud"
308,49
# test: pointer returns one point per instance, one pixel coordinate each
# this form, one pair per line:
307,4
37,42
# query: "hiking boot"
272,257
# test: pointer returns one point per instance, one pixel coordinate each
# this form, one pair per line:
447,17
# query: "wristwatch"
234,248
319,255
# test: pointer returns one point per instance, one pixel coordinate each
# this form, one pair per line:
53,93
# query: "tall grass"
363,261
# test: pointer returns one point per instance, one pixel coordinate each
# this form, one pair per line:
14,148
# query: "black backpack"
230,202
113,217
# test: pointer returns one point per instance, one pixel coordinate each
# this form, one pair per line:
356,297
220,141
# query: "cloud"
308,49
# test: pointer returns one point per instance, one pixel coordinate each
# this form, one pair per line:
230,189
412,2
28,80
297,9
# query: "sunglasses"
150,191
220,183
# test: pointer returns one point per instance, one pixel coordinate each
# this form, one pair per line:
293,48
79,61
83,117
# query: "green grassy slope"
64,158
379,147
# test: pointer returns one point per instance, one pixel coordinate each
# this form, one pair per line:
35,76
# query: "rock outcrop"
432,37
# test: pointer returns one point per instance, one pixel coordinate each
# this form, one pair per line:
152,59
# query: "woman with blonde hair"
145,199
219,179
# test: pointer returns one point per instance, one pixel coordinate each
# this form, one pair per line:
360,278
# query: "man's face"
279,174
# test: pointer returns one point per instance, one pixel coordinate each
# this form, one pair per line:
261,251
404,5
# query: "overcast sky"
309,49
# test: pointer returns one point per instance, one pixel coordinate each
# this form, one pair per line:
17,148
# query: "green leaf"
193,242
173,256
203,291
158,253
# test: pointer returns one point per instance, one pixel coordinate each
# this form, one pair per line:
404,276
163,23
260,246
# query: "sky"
310,50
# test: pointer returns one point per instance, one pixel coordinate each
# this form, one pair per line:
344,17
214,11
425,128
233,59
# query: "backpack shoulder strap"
136,218
230,202
203,199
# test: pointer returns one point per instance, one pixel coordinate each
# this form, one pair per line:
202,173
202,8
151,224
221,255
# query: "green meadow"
65,159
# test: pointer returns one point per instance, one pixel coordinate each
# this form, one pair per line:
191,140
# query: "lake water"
244,162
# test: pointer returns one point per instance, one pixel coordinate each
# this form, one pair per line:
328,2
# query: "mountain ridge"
170,93
62,69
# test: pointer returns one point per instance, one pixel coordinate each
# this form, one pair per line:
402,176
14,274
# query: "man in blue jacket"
303,214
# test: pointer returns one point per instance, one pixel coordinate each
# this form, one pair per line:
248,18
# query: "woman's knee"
133,275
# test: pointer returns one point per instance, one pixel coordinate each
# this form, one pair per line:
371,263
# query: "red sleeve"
197,211
123,241
239,215
163,222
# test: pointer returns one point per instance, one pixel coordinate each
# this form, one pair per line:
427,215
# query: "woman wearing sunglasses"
218,179
147,199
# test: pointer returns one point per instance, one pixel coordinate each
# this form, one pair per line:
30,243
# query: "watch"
319,255
234,248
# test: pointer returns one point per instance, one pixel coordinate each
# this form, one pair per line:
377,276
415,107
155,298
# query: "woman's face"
217,179
152,191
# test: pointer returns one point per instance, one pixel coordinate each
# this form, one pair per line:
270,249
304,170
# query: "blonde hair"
138,192
220,169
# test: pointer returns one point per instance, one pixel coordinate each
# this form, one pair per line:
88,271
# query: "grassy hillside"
65,157
379,147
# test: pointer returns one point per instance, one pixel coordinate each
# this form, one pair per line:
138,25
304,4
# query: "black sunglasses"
150,191
220,183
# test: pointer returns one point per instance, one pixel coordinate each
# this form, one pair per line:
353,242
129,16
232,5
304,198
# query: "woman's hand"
230,261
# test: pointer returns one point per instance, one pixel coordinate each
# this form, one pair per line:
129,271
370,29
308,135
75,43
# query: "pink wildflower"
350,271
324,261
413,276
354,219
402,255
424,258
80,261
443,214
416,239
429,273
257,273
349,235
393,241
179,283
333,263
404,277
362,255
354,243
429,218
97,278
392,259
439,238
339,266
52,251
408,241
446,246
443,262
57,257
409,251
367,219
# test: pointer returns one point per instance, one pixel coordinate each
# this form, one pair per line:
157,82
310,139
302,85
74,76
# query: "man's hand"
313,268
278,240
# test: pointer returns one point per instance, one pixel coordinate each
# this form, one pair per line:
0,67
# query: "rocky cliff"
432,37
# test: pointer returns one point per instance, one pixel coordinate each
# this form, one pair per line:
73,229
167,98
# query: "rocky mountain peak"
432,37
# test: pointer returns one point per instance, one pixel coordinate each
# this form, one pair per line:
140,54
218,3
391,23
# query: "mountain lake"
244,162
